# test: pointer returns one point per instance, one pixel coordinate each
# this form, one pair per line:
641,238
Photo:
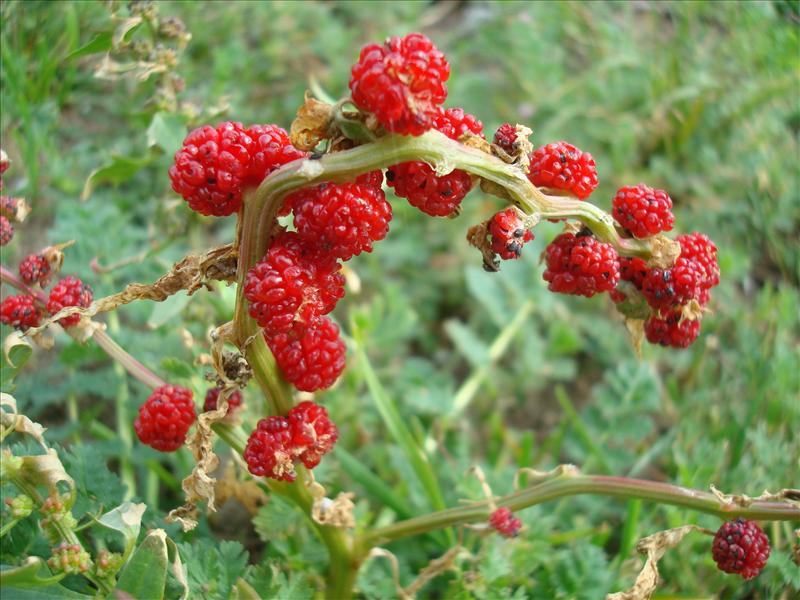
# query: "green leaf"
166,131
99,43
16,352
28,575
145,575
127,519
213,567
51,592
119,170
165,312
97,486
468,344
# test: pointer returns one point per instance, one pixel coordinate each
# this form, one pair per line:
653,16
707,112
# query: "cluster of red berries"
741,547
503,521
278,443
24,311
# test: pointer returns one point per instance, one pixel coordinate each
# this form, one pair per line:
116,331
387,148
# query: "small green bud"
9,465
21,506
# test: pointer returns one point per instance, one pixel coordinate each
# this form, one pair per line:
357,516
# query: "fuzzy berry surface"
70,291
268,451
20,312
313,433
562,166
581,265
401,82
212,396
6,231
271,149
165,418
35,269
506,138
310,357
642,210
417,181
509,234
671,329
211,168
343,220
742,547
503,521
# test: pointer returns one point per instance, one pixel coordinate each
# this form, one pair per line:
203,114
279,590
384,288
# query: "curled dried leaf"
46,469
335,513
537,476
478,236
790,495
635,329
14,421
312,124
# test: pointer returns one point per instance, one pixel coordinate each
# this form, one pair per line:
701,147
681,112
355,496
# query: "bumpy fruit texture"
268,451
506,138
371,178
671,329
313,433
212,396
666,288
271,150
741,547
633,270
417,181
562,166
165,418
505,523
699,248
581,265
35,269
69,558
292,285
20,312
312,357
509,234
211,167
6,231
642,210
401,82
343,220
70,291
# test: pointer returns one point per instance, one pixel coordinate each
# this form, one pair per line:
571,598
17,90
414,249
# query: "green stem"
8,526
123,422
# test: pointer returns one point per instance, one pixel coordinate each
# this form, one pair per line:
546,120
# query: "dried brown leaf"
312,124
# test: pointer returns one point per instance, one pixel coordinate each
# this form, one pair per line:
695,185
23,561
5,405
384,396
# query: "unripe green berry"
107,564
21,506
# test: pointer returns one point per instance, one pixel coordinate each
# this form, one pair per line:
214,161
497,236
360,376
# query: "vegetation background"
700,99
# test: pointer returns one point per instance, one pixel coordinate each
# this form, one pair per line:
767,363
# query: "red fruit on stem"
271,149
20,312
506,138
509,234
741,547
268,451
581,265
562,166
503,521
165,418
70,291
35,269
671,329
313,433
642,210
6,231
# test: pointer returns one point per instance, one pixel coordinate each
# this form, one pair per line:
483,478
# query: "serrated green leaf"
145,575
97,486
99,43
213,568
119,170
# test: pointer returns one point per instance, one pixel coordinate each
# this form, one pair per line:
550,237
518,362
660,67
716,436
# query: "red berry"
312,357
417,181
633,270
6,231
671,329
8,206
506,137
698,248
564,167
292,284
401,82
20,312
268,451
343,219
212,395
741,547
508,234
70,291
35,269
313,434
581,265
271,150
211,167
642,210
371,178
504,522
165,418
665,288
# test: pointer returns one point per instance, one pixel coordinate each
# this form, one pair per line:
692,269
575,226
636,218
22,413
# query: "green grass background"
699,98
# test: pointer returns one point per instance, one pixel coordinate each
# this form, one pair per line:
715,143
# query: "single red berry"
35,269
506,138
698,248
633,270
581,265
742,547
665,288
271,150
20,312
504,522
70,291
509,234
165,418
313,433
312,357
212,395
211,168
642,210
8,207
343,219
292,284
268,451
401,82
562,166
6,231
671,329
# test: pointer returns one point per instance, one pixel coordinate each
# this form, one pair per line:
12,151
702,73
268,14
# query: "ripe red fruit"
313,433
165,418
292,284
671,329
371,178
564,167
343,220
509,234
6,231
665,288
741,547
211,167
633,270
20,312
70,291
401,82
581,265
212,395
417,181
642,210
34,269
506,138
503,521
312,357
271,150
698,248
268,451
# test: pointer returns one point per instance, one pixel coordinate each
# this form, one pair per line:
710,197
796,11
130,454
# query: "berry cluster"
740,546
165,418
305,435
69,558
503,521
